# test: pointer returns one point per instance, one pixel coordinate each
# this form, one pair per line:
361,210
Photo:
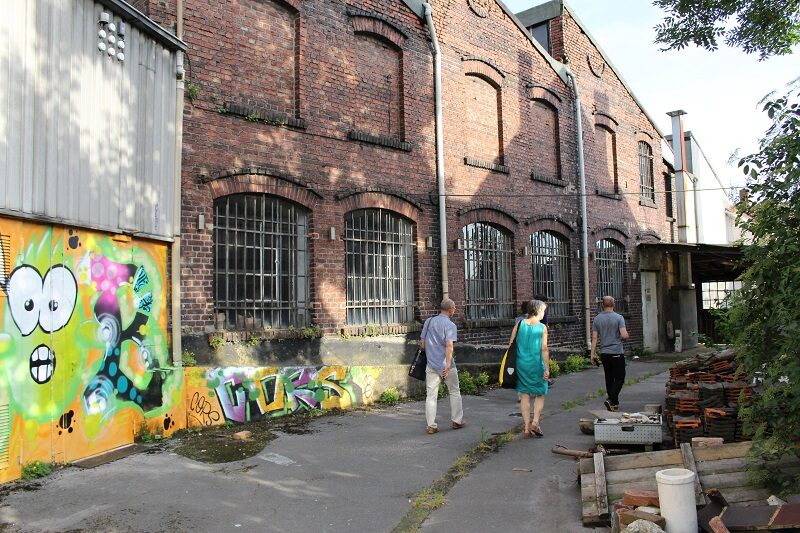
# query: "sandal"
537,430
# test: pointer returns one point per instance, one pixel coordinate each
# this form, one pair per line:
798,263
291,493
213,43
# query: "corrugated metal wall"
85,138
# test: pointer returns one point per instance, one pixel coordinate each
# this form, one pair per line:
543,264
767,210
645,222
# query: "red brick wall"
341,55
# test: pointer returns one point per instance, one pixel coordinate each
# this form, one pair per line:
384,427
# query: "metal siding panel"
5,89
52,91
128,136
27,80
153,201
146,177
168,126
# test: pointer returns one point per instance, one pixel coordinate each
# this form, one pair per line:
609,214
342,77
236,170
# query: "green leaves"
764,319
766,27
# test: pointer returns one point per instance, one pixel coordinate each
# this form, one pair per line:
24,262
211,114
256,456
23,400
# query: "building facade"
310,203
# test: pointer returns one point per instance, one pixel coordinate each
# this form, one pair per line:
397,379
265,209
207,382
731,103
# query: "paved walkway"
351,473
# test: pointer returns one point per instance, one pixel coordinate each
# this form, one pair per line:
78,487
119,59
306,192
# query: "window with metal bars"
260,262
609,255
488,252
379,263
648,190
550,267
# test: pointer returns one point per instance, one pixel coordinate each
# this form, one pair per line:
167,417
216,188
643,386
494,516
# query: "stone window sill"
647,203
266,117
491,323
548,179
608,194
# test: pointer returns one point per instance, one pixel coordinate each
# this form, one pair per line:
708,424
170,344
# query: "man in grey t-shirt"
609,332
437,338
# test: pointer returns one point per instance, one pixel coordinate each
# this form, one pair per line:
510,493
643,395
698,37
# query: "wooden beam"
689,464
600,484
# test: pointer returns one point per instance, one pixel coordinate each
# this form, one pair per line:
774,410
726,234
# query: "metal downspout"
175,265
437,89
587,317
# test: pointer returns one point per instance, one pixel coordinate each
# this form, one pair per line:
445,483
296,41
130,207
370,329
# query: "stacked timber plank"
604,480
702,398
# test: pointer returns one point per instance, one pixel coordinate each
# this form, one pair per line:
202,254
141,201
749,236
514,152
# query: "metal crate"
626,433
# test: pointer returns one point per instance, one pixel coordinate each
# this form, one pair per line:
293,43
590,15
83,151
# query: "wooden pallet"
605,479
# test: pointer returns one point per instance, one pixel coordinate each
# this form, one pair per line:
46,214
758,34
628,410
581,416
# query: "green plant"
216,342
36,469
145,435
639,351
574,363
253,117
467,383
371,330
482,380
254,341
188,358
555,368
706,341
310,332
390,396
192,91
227,423
274,121
221,108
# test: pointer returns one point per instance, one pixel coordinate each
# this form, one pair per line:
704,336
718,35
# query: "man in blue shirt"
437,338
608,331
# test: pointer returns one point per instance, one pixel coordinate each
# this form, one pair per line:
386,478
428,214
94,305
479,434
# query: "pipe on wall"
175,264
437,89
587,311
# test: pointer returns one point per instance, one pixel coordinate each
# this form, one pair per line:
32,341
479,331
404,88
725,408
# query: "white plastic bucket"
677,500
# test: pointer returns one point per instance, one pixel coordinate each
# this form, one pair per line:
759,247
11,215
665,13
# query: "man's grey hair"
608,302
447,304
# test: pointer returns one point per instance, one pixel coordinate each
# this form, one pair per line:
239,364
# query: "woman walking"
533,366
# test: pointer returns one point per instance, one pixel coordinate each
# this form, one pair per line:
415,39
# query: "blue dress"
530,365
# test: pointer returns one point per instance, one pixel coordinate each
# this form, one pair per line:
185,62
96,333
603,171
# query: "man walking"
437,338
608,330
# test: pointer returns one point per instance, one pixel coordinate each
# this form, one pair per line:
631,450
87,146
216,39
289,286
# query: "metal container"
615,432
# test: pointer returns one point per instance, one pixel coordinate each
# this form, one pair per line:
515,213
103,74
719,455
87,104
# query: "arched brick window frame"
606,134
379,116
549,247
611,256
546,105
484,71
488,271
379,232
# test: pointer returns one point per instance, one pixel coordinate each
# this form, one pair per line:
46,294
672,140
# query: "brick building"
309,169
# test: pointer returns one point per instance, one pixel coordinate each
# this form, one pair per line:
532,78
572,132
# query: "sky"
719,91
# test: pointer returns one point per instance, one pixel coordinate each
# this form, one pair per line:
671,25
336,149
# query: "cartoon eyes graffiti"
49,302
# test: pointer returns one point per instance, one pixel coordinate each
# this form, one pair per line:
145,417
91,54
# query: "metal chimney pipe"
678,149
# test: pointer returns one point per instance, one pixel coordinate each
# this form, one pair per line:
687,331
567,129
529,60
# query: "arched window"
609,255
260,262
379,264
547,162
379,99
607,140
648,191
488,253
550,268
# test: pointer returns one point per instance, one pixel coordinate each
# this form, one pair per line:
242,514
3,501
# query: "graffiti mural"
246,394
83,341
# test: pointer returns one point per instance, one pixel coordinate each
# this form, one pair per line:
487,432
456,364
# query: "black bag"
417,369
508,370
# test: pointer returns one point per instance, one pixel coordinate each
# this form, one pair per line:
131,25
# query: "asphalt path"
351,473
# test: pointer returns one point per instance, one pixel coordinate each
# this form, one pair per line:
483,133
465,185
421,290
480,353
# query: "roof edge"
542,12
133,16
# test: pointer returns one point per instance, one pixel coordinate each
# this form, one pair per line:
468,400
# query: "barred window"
379,263
488,254
648,191
550,267
716,294
610,258
260,262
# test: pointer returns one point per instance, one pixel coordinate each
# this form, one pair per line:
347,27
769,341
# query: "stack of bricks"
637,505
702,398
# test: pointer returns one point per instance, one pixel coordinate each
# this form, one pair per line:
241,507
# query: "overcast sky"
719,90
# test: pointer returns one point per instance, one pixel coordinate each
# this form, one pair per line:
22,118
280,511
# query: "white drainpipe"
587,310
175,281
680,173
437,89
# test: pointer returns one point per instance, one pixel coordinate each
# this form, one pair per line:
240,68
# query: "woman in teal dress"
533,366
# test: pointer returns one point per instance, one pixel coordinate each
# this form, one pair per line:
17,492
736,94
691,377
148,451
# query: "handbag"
508,374
417,368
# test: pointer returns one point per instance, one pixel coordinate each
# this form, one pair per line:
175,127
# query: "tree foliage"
766,27
765,316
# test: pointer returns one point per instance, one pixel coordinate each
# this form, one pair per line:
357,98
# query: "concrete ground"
351,473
